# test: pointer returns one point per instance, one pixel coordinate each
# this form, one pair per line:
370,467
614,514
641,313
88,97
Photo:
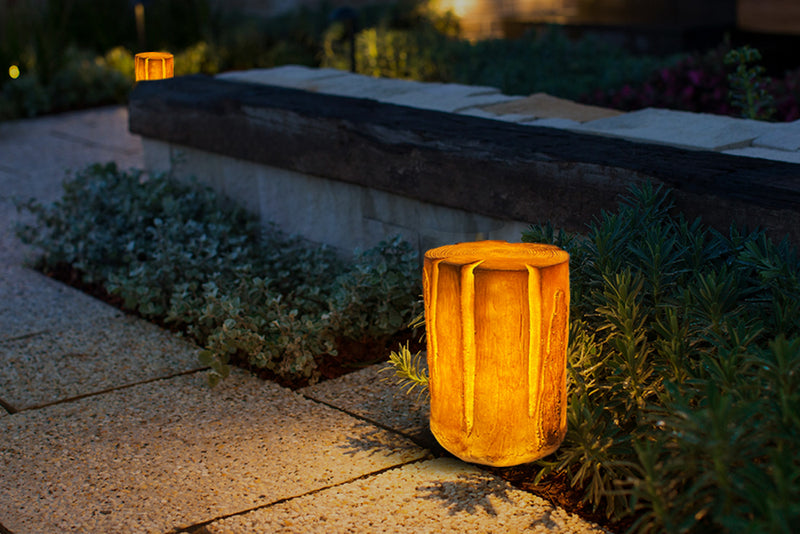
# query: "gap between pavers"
32,303
439,495
90,357
374,394
174,453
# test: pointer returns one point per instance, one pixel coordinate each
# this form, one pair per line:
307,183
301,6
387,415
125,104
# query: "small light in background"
154,66
13,71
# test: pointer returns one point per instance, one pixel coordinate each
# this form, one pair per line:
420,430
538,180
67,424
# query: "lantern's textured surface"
496,317
154,66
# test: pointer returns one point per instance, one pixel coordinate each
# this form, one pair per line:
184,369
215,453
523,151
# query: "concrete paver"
41,151
173,453
507,117
296,76
679,128
784,136
372,393
451,97
441,495
89,357
544,106
31,303
359,86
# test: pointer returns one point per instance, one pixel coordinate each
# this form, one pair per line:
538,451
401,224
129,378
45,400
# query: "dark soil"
354,355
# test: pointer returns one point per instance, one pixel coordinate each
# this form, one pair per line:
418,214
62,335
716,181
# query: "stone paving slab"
31,303
329,81
441,495
98,128
296,76
169,454
42,150
451,97
544,106
359,86
784,136
87,358
373,393
680,129
508,117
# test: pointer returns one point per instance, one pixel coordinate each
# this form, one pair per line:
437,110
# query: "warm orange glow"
459,8
154,66
497,328
13,72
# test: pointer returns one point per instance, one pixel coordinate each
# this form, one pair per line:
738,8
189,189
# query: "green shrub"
538,62
684,372
177,254
683,363
372,298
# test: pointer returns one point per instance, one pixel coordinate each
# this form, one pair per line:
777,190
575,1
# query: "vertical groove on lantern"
468,340
430,314
534,339
554,373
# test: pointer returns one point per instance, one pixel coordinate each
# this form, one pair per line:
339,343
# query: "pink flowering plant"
707,83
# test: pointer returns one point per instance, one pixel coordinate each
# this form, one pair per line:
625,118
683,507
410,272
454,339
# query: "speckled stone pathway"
106,424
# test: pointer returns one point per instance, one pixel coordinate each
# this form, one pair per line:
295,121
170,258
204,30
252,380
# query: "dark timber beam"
494,168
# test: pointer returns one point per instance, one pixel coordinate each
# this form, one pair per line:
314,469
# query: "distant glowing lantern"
497,329
154,66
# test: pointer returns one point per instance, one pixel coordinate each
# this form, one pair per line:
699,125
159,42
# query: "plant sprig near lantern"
154,66
496,318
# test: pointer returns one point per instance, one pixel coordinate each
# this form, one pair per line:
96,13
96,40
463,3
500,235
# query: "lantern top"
154,66
499,255
155,55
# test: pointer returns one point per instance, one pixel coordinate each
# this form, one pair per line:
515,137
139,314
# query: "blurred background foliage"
72,54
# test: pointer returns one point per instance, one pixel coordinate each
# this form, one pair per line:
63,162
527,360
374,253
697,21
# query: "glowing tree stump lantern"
497,329
154,66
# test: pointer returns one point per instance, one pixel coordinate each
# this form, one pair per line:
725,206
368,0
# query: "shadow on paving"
472,493
467,494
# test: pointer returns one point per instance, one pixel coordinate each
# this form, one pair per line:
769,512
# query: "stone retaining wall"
445,163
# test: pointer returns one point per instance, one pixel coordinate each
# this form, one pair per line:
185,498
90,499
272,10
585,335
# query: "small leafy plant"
178,254
749,89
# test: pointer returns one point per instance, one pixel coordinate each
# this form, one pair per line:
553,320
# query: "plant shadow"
469,493
375,440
